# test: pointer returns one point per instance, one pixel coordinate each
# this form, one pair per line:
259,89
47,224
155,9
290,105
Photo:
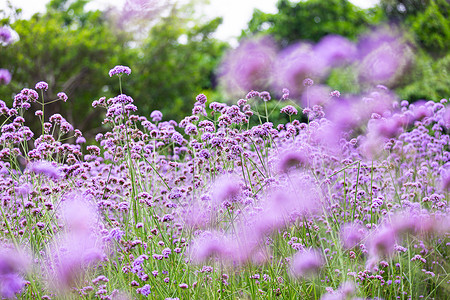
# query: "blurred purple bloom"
383,241
335,50
352,235
383,57
12,266
306,263
226,188
293,65
80,247
44,167
5,76
290,159
315,95
5,35
249,66
207,245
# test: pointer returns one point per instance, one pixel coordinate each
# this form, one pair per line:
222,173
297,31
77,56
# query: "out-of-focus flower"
249,66
5,77
6,36
13,265
334,50
383,57
352,234
383,241
293,65
306,263
290,159
44,167
80,247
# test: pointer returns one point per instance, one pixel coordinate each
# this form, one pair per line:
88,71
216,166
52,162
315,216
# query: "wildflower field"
347,199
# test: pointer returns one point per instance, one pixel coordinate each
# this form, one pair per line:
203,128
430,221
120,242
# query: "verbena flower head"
41,85
119,71
62,96
5,76
156,116
289,110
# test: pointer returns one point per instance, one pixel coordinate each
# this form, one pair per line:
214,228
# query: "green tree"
177,62
311,20
72,50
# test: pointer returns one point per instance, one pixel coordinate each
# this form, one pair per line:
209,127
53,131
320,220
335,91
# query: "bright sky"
236,13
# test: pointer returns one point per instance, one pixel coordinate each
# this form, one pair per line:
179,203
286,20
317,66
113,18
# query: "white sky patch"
235,13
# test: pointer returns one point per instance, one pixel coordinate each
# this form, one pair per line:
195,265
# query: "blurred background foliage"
176,57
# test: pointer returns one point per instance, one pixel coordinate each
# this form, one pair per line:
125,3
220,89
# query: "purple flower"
119,71
308,82
383,56
383,242
306,263
183,285
177,138
145,290
44,167
293,65
290,159
41,85
12,265
156,116
115,234
5,35
335,50
265,96
351,235
10,285
5,76
289,110
201,98
62,96
248,67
